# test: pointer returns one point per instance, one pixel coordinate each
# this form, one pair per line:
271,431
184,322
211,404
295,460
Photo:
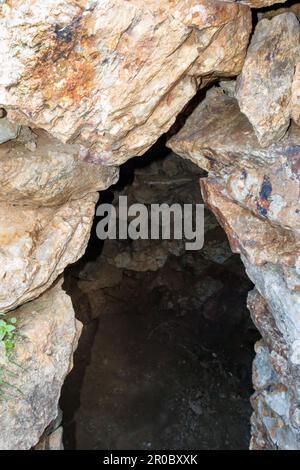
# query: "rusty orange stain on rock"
64,68
169,99
79,82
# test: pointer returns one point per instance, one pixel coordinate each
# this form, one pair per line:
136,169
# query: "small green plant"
8,335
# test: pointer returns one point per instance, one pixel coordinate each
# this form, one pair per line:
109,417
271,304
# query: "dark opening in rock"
164,361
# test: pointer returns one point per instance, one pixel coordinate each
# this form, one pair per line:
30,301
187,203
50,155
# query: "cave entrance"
165,357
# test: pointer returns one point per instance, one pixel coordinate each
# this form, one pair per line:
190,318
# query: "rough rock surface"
283,301
261,3
49,175
220,139
254,193
110,81
84,84
295,99
37,244
8,130
264,86
295,8
44,351
270,244
275,423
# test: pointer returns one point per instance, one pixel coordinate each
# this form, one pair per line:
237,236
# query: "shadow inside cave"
165,357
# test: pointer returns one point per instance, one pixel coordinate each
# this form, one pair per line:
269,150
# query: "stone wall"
84,88
242,135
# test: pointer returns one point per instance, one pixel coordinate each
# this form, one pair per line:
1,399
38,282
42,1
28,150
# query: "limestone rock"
228,86
44,352
256,239
295,100
276,384
243,183
220,139
8,130
254,192
271,413
263,374
37,244
266,324
49,175
264,86
278,11
261,3
222,57
271,257
283,302
109,81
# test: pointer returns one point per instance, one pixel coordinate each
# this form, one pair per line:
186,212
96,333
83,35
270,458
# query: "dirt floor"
164,361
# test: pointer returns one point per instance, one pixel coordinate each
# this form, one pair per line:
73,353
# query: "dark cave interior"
165,357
